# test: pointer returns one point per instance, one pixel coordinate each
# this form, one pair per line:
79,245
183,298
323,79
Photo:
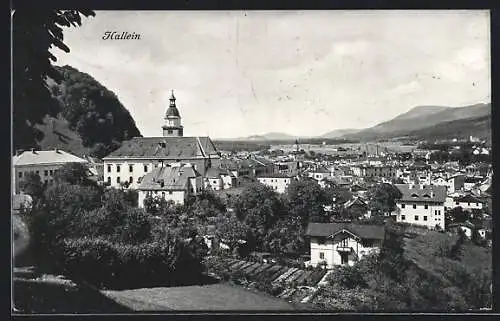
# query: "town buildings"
334,244
141,155
278,182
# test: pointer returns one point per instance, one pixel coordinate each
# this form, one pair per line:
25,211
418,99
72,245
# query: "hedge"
112,265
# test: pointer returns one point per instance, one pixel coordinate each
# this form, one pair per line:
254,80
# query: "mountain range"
421,122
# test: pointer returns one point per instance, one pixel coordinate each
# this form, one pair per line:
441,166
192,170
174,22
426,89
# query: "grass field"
215,297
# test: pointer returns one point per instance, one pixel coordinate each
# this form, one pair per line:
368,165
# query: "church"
141,155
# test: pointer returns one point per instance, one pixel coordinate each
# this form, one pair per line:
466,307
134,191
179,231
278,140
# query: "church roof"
165,148
172,111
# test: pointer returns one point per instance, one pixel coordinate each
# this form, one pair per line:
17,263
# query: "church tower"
172,127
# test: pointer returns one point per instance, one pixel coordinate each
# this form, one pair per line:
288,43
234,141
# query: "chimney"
19,152
33,150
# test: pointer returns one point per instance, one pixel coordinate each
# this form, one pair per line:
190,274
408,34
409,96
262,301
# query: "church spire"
172,125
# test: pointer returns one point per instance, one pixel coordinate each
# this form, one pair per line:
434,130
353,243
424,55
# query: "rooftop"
363,231
422,193
168,178
165,148
35,157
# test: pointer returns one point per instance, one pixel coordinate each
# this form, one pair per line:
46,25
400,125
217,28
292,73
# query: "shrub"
113,265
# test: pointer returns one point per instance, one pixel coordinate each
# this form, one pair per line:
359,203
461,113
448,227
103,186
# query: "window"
51,172
37,172
344,242
131,180
169,192
416,217
109,168
117,168
321,255
414,206
426,206
55,172
457,203
403,217
118,180
468,204
20,174
170,131
109,180
145,168
45,173
425,218
163,194
131,168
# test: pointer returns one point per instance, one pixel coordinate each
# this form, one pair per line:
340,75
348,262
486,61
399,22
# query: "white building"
44,163
217,179
421,205
334,244
172,182
278,182
139,156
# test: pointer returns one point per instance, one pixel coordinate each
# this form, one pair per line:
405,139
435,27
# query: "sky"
305,73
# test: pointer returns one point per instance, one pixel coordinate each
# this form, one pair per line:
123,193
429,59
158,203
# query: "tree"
458,215
259,207
306,200
136,227
74,173
286,236
35,31
230,231
382,198
33,186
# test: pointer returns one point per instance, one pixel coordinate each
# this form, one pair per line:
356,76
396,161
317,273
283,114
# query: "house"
277,182
287,167
44,163
466,227
141,155
375,171
319,174
471,181
466,202
173,182
218,178
357,206
421,205
334,244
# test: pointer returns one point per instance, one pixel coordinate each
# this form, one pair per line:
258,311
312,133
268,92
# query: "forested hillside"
90,118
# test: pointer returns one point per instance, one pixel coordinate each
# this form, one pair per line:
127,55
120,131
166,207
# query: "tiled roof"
275,175
214,172
165,148
466,199
172,178
363,231
429,193
46,157
355,201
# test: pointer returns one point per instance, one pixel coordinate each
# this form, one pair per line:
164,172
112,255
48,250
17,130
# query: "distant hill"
339,133
91,119
420,121
264,137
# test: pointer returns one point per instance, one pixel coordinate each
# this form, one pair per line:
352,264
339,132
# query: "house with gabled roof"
174,183
343,243
421,205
